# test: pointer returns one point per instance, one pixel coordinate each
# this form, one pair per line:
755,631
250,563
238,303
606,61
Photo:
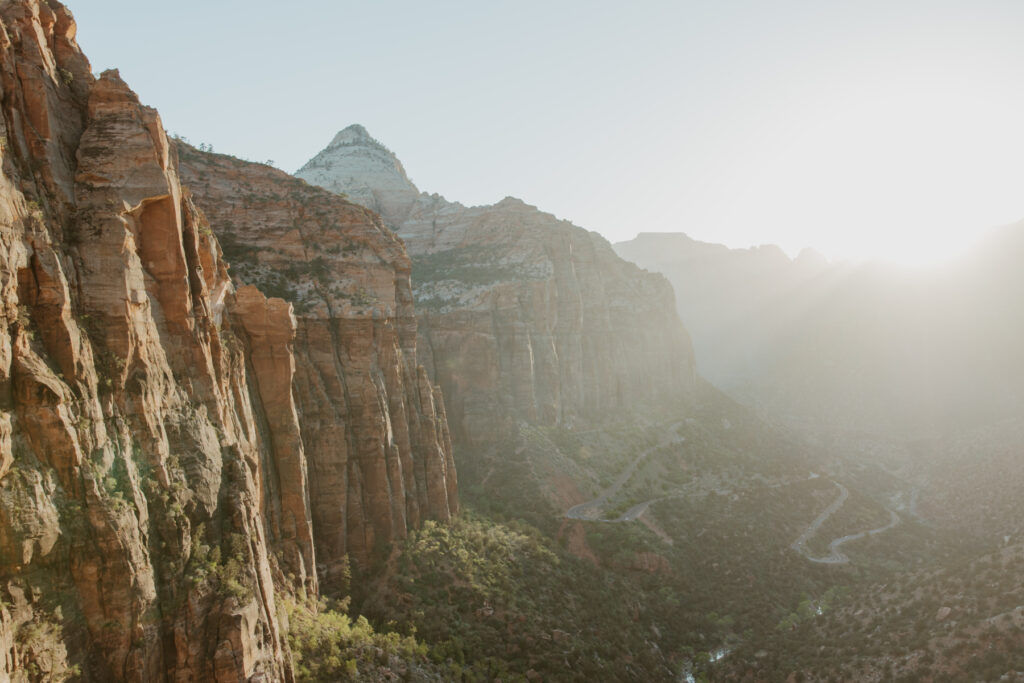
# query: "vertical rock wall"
522,316
373,425
159,485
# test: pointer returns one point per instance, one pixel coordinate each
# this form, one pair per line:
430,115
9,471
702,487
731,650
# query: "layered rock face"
157,493
129,438
522,316
373,426
367,172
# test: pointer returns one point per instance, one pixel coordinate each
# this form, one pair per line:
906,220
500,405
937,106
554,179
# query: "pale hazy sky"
887,128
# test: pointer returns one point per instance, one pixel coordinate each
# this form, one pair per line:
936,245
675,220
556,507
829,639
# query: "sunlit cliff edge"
159,493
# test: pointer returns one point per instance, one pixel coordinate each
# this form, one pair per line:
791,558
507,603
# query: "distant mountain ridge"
863,347
725,295
521,315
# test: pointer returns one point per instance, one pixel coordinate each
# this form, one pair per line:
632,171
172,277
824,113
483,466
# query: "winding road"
591,510
836,556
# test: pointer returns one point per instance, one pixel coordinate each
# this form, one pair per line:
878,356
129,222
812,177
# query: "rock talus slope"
522,315
157,492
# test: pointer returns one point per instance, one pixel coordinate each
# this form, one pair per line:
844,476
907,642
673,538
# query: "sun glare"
903,167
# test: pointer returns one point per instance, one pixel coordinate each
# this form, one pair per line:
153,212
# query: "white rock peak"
366,172
360,167
355,134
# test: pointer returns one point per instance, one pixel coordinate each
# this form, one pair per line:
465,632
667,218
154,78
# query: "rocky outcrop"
373,426
128,442
356,165
522,315
159,487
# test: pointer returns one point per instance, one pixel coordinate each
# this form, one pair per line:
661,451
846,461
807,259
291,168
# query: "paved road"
836,556
591,510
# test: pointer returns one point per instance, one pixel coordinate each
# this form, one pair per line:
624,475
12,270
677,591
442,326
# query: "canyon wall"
522,315
373,425
175,455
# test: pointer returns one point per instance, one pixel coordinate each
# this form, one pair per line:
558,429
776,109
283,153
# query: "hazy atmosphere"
868,129
511,342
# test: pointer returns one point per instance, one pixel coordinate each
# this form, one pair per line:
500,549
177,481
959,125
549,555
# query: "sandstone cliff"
157,493
373,426
522,315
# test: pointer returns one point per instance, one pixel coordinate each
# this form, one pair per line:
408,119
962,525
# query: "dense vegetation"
514,590
703,583
328,646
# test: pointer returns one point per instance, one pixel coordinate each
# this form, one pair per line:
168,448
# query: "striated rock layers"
157,492
373,426
522,315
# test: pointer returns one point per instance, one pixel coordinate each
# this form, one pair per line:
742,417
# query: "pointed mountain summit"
521,316
354,134
360,167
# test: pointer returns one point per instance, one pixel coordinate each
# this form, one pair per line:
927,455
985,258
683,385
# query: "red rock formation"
373,425
528,317
157,492
522,316
127,423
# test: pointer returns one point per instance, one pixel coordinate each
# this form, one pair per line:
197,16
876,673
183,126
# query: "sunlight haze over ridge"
870,129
